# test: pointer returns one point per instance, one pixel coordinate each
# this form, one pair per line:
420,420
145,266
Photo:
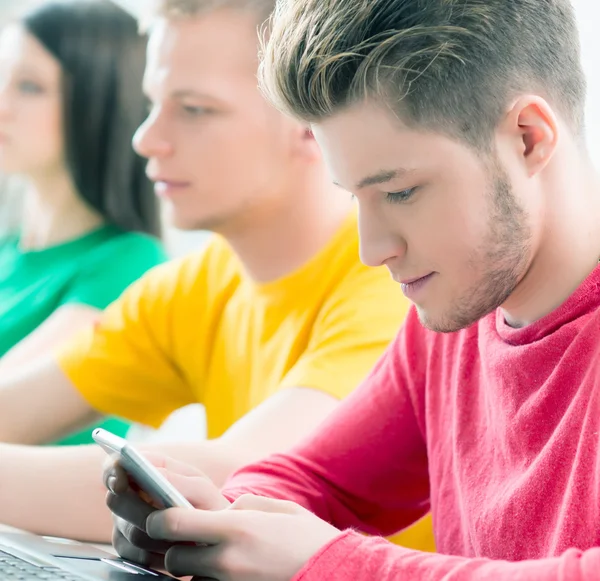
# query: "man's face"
218,152
449,226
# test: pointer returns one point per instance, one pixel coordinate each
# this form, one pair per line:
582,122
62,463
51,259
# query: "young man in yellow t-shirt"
268,328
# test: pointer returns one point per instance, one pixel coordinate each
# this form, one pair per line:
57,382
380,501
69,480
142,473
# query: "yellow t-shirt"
198,330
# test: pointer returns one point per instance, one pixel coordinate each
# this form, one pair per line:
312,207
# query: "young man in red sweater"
458,125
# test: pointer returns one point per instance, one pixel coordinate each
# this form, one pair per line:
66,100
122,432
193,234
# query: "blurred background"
178,243
189,423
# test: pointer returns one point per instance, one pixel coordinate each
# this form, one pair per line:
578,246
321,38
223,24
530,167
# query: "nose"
379,242
151,139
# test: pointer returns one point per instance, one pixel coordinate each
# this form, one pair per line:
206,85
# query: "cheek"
236,153
46,135
450,225
36,139
210,144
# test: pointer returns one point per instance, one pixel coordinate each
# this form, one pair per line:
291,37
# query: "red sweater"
497,429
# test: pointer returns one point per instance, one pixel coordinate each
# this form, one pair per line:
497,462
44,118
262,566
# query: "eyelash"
400,197
188,110
194,111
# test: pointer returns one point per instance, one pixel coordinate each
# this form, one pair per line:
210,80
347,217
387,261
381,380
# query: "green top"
92,270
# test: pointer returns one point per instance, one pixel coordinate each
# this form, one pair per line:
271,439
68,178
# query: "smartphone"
149,479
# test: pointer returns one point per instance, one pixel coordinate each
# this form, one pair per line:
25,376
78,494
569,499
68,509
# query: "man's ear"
533,129
306,144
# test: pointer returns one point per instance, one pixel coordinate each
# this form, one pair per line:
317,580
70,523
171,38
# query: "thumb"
197,526
171,464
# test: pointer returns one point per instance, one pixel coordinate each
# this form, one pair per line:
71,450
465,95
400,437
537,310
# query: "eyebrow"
381,177
181,94
184,93
28,71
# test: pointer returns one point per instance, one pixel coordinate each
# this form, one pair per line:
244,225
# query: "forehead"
216,52
368,139
19,48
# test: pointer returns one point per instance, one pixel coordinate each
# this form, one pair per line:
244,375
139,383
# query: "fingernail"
149,526
111,482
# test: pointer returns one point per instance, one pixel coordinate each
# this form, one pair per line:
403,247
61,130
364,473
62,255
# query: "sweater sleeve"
365,468
354,557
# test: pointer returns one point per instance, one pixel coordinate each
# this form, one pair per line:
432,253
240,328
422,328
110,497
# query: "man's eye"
399,197
194,111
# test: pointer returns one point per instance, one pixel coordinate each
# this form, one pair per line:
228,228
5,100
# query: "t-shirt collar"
584,300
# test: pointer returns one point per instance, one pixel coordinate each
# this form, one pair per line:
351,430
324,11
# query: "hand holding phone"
149,479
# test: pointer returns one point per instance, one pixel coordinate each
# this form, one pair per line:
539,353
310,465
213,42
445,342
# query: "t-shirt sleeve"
353,557
354,327
366,466
124,365
111,269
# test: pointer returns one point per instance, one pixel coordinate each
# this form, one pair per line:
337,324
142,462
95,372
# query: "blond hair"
452,65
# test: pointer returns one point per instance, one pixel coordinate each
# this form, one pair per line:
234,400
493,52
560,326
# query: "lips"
169,182
412,287
413,280
409,281
169,189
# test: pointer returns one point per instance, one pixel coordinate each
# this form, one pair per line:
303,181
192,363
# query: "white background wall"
588,13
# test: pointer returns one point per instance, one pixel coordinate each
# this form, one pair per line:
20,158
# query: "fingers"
264,504
198,489
114,476
198,526
212,527
172,465
130,552
201,562
138,538
190,481
130,507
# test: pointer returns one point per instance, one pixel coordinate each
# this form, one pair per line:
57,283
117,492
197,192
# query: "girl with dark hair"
70,102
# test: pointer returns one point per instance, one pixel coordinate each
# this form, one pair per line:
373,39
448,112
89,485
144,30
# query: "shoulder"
9,243
197,275
118,261
132,247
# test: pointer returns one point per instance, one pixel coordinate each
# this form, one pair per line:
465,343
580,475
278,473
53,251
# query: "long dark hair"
102,56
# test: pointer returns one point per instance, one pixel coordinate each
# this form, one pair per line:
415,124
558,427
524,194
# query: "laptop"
27,557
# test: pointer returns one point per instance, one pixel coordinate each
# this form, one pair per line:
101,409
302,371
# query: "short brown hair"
448,65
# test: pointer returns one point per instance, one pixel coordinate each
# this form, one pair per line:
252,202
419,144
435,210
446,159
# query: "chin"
181,220
194,224
440,322
185,219
185,225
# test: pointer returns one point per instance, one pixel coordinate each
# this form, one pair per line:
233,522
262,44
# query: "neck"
276,241
54,212
568,249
